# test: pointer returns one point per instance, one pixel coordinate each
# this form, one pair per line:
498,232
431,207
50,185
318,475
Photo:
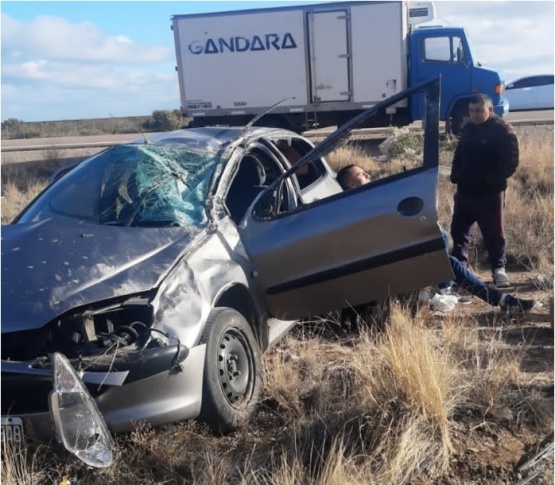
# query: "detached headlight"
78,422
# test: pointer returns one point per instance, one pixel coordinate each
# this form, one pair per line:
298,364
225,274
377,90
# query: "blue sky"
74,60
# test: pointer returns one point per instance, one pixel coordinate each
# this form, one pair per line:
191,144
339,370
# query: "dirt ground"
491,453
486,453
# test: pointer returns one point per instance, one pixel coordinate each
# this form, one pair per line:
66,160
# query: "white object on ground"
444,303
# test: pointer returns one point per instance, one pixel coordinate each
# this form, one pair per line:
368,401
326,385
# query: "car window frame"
320,248
531,82
260,149
430,88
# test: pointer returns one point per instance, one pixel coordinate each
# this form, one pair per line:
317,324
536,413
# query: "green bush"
164,120
402,144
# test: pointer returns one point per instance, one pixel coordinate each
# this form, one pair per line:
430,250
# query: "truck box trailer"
322,64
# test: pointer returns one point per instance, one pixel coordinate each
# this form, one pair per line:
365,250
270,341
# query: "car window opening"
293,150
248,182
258,170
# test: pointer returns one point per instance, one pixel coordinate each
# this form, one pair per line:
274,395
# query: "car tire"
232,381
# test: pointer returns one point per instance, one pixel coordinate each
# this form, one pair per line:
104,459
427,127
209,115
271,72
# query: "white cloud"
57,102
55,38
513,37
64,75
52,69
55,69
32,69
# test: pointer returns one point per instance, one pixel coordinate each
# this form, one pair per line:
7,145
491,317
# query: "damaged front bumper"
53,397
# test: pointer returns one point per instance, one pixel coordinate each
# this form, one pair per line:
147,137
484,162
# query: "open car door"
354,247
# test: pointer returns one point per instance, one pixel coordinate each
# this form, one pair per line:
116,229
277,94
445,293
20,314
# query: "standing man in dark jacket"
485,157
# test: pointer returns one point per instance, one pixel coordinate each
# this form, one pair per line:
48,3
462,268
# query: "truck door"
329,56
432,55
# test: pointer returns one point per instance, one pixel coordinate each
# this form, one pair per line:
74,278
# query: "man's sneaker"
515,307
500,278
462,299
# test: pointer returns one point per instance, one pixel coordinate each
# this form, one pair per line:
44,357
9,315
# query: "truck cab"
439,50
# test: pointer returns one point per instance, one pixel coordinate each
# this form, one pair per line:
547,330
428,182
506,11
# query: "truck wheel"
458,120
232,380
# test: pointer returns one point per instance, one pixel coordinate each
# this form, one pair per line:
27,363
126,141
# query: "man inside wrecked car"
353,176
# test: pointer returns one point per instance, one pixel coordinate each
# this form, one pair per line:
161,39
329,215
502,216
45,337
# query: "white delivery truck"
325,63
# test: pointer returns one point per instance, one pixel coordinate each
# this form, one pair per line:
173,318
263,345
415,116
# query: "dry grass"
529,206
442,401
382,403
18,188
528,210
19,466
351,153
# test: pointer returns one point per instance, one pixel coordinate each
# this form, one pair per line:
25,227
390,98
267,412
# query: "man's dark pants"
487,212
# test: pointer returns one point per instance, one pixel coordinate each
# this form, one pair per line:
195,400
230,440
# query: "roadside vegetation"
159,120
454,399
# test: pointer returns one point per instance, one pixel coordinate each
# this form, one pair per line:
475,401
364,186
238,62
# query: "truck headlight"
79,425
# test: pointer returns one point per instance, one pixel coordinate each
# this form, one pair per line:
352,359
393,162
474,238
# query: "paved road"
530,115
540,116
108,140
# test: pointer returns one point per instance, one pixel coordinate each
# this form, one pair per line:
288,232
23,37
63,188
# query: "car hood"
52,266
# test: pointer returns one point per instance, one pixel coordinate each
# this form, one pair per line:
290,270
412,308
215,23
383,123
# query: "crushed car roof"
213,135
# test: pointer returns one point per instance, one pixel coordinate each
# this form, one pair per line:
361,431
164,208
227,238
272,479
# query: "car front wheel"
232,380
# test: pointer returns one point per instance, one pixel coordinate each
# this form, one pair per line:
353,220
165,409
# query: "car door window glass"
544,80
458,51
522,83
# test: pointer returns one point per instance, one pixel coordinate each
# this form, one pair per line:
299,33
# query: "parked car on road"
530,93
145,282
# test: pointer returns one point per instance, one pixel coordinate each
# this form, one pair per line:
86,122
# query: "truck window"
458,51
444,49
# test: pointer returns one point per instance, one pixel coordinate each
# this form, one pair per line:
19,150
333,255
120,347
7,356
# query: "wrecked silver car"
145,283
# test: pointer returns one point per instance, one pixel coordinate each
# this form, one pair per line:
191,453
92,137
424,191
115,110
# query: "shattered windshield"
133,185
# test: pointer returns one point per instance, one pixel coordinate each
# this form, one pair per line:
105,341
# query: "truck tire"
232,380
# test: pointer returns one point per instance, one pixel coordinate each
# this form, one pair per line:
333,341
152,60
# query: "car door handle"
410,206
